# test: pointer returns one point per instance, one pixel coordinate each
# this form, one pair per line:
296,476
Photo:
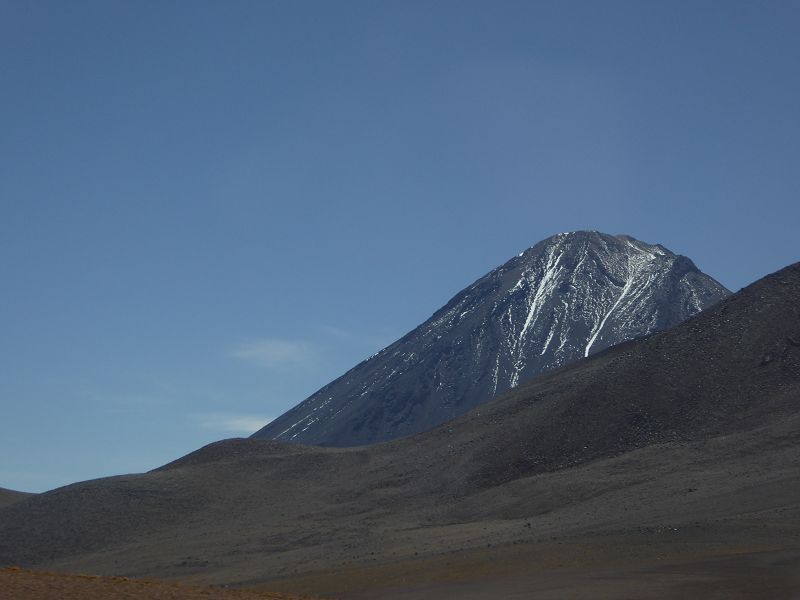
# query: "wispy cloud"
369,340
232,423
275,353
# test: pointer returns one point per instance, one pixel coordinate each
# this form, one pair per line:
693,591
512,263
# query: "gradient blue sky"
210,209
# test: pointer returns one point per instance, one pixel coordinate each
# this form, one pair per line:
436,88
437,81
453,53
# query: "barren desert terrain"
20,584
666,467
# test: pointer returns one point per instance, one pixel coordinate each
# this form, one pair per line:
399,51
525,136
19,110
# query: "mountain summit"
563,299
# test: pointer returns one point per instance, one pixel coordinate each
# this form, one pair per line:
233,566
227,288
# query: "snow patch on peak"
544,290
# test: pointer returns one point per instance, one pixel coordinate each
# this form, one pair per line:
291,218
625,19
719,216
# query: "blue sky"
210,209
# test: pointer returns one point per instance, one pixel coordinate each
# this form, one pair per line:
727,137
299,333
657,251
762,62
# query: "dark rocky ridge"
567,297
697,426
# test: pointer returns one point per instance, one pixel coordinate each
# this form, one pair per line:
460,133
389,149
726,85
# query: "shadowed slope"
693,426
11,496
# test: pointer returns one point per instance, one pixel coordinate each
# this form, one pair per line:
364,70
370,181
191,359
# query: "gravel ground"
20,584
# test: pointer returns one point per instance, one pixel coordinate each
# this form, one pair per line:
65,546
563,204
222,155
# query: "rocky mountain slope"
565,298
675,455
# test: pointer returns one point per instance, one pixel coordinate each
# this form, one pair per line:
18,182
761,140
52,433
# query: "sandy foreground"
21,584
740,561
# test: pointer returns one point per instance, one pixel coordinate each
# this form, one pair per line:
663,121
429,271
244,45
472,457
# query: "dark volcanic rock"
568,297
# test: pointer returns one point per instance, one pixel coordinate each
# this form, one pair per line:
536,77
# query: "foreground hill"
11,496
567,297
668,463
